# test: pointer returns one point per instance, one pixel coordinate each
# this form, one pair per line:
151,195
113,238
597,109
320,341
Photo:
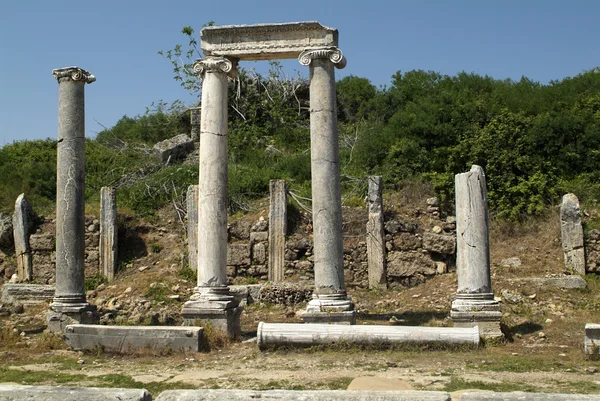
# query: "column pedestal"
470,310
332,309
215,305
59,316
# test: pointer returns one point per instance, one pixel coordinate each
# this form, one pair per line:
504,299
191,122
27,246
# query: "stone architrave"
108,232
571,232
375,235
21,227
277,229
192,226
474,304
330,302
69,305
212,300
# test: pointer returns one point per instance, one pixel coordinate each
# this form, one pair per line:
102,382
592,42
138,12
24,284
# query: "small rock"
80,361
175,296
18,308
101,287
416,295
591,369
548,321
437,229
532,296
541,334
562,355
142,268
511,297
128,290
511,262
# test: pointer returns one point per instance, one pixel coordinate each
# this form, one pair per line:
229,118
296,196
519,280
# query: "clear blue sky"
118,41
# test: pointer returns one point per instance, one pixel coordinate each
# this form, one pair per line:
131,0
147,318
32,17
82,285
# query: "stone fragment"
259,254
403,264
174,149
108,232
277,229
406,242
260,225
66,393
262,236
192,226
6,231
571,232
195,123
434,201
565,282
26,293
511,262
375,235
439,243
511,297
238,254
42,242
22,227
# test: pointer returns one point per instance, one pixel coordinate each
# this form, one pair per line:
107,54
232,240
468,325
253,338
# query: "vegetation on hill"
534,141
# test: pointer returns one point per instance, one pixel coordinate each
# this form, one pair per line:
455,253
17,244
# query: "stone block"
403,264
304,395
261,236
439,243
591,342
266,41
259,254
406,242
566,282
6,231
42,242
175,148
238,254
65,393
26,293
124,339
522,396
571,232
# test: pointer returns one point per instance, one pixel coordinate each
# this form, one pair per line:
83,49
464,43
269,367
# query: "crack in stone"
212,133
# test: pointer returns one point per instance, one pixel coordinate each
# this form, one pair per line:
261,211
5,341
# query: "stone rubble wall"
592,251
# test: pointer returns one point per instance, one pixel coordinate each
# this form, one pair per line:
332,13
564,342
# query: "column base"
470,310
330,309
215,305
60,315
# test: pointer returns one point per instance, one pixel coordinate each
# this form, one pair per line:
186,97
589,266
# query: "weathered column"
375,235
69,305
571,232
277,229
108,232
21,226
330,302
211,299
195,123
192,226
474,304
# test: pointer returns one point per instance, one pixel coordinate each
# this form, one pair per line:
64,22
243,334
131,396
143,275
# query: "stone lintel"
124,339
266,41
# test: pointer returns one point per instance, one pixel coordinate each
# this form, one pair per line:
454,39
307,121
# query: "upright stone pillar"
474,304
330,302
277,229
212,300
69,305
571,232
21,226
375,235
192,226
195,123
108,232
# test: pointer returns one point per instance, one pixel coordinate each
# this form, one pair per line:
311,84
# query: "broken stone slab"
566,282
22,225
591,342
571,233
275,334
266,41
175,148
124,339
26,293
304,395
523,396
63,393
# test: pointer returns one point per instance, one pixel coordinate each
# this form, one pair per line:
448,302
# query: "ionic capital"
215,64
73,74
333,54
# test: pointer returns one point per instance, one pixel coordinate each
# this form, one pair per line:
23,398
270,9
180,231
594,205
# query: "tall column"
108,232
277,229
571,234
69,305
330,302
474,304
21,229
211,299
192,226
375,235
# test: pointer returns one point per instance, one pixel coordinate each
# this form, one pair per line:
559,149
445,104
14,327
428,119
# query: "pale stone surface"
277,229
21,229
195,123
439,243
591,341
266,41
26,293
523,396
566,282
303,395
375,235
378,383
64,393
330,292
127,339
262,236
293,334
192,225
108,232
571,231
69,305
211,299
238,254
175,148
474,304
259,254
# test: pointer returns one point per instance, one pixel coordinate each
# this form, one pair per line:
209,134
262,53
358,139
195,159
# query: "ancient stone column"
571,232
195,123
211,299
474,304
375,235
192,226
330,302
69,305
21,227
277,229
108,232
